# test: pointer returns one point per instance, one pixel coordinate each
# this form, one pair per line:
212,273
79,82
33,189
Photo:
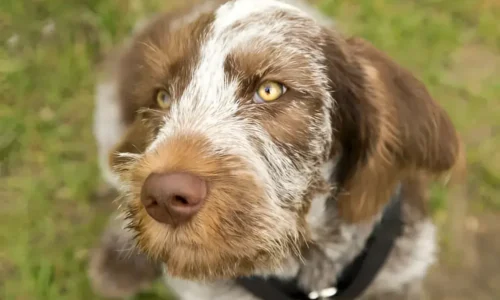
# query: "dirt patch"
475,272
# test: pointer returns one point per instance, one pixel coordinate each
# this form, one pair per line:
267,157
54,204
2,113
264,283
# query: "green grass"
49,213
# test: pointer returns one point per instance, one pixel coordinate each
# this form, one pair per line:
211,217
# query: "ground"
51,203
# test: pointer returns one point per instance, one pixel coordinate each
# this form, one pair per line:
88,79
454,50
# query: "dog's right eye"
163,99
269,91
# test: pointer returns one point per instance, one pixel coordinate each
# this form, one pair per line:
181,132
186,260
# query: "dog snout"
173,198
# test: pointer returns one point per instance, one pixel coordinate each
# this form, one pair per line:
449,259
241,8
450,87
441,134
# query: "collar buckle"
322,294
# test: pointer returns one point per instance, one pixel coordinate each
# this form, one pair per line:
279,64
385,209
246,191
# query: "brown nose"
173,198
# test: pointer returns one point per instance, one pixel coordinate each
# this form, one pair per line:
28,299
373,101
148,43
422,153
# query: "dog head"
239,113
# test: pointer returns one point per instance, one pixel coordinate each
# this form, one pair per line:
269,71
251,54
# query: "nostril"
180,200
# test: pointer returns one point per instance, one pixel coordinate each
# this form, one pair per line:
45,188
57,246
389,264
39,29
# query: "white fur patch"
108,126
420,253
315,216
220,290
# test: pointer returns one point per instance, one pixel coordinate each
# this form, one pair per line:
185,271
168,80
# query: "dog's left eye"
269,91
163,99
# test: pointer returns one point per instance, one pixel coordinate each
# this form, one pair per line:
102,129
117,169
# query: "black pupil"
268,90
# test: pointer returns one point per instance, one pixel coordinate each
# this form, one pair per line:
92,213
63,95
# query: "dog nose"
173,198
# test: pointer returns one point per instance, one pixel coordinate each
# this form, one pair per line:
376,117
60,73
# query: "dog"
250,138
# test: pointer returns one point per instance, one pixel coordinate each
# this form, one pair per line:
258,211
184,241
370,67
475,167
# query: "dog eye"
163,99
269,91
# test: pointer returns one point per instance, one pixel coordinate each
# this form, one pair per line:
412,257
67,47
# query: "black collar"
355,278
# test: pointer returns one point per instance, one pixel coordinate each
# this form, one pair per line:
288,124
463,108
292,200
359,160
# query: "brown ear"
386,125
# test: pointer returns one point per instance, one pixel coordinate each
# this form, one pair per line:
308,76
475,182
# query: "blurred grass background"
51,205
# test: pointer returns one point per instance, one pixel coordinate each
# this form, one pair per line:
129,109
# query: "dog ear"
386,127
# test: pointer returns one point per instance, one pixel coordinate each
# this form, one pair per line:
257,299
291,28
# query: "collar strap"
355,278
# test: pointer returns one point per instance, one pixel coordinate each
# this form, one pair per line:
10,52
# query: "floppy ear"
386,126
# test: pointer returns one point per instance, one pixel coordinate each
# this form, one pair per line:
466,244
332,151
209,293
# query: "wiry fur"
296,185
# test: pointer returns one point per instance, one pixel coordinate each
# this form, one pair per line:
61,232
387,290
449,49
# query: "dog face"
234,114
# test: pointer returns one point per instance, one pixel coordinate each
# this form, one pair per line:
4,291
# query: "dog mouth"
184,254
219,242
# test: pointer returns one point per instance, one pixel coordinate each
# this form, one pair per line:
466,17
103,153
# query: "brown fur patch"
157,55
289,125
287,119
